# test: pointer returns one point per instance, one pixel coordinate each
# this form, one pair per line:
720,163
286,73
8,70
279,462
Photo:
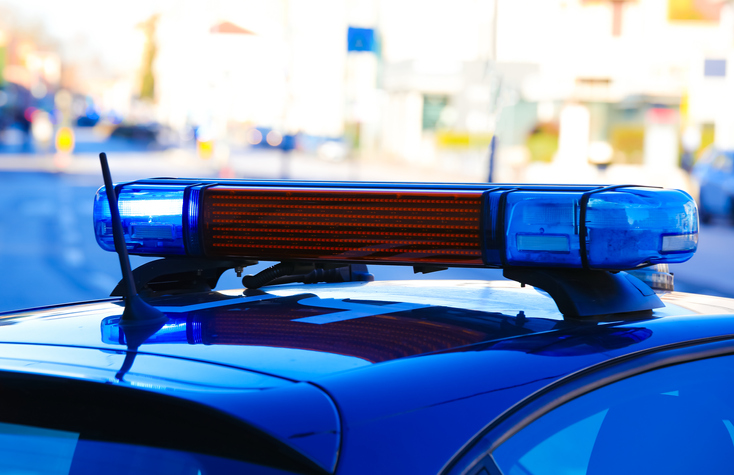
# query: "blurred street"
49,255
488,90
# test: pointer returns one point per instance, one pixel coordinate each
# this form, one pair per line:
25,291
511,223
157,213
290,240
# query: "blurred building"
271,64
621,78
595,85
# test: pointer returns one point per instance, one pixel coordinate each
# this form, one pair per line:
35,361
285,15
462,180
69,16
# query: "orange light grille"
345,225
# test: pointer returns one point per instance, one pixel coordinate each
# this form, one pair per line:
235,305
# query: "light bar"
613,228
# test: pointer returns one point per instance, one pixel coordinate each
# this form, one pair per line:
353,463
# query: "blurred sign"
65,140
707,138
661,115
452,139
713,68
205,149
360,39
694,10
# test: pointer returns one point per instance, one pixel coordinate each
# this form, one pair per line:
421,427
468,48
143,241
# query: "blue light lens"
172,332
152,219
626,228
641,226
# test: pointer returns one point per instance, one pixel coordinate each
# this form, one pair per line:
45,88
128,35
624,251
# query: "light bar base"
175,274
582,293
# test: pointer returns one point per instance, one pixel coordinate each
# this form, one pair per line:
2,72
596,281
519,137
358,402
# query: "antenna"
136,312
139,320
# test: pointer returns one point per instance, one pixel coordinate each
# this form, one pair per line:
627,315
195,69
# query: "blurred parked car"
16,107
266,137
147,137
714,175
137,132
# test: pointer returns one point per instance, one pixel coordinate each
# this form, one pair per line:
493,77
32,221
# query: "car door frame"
476,456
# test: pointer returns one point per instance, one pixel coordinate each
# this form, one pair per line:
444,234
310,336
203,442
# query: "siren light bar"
612,228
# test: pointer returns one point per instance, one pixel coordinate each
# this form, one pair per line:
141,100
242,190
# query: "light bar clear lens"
543,242
626,228
680,243
152,219
541,228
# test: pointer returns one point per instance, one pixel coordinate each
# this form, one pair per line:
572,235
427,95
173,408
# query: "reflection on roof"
284,323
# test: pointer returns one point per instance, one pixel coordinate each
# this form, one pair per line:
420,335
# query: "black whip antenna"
136,310
139,320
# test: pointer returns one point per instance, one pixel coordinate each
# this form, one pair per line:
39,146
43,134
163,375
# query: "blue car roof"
372,363
305,332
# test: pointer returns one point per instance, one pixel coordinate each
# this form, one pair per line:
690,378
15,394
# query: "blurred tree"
147,84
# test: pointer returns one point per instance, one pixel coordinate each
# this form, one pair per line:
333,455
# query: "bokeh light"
254,137
274,138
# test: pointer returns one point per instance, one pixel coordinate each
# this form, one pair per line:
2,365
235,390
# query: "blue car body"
317,368
368,377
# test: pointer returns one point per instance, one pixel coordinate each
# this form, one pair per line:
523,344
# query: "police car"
573,365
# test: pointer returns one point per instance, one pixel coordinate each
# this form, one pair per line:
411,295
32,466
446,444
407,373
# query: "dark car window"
675,420
51,425
35,450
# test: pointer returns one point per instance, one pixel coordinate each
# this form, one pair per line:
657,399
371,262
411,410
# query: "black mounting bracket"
172,274
308,273
587,293
422,269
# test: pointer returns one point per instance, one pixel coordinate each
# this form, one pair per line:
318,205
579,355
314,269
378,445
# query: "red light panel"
440,227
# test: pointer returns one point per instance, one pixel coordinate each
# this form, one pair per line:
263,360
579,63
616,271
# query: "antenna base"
138,313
